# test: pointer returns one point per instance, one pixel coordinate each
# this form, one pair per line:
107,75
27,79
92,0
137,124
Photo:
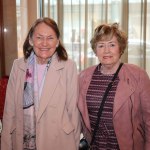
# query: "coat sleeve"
9,112
144,87
72,96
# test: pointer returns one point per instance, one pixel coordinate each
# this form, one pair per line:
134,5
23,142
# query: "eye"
112,45
100,46
50,38
38,37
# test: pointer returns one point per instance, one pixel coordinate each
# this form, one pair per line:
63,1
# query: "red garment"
3,85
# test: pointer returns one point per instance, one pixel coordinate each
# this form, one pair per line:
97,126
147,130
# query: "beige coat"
57,125
131,111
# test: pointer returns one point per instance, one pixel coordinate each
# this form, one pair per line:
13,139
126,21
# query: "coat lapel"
23,67
123,92
51,81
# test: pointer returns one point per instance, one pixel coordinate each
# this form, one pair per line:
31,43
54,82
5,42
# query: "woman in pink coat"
125,118
41,101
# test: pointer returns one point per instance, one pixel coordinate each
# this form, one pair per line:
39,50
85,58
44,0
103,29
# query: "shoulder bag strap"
103,102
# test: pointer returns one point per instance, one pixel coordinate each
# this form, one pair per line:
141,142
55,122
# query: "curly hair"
106,32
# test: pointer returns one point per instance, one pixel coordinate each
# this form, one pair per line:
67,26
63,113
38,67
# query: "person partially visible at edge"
41,100
125,120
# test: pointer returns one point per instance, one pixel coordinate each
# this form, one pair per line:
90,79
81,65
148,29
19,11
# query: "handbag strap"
103,102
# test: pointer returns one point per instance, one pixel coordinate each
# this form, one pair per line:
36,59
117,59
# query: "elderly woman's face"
44,41
108,52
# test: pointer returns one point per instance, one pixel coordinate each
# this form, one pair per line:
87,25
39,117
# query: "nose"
44,41
107,48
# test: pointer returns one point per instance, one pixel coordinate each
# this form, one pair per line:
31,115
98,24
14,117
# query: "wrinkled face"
108,52
44,42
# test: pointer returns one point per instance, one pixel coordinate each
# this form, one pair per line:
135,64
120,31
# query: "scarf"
31,98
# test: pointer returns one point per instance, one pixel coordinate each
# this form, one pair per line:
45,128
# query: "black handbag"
84,145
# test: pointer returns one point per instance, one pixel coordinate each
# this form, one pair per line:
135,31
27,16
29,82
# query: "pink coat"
58,119
131,112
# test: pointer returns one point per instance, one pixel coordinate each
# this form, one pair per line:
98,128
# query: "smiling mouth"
45,49
105,57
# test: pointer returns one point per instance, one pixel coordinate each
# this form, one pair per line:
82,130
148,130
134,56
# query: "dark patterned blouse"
105,138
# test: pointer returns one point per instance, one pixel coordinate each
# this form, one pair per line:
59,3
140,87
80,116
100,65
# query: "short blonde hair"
106,32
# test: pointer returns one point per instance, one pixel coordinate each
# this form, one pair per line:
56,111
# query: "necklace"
107,70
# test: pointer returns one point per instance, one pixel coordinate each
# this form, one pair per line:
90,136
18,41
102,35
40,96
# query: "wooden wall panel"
2,56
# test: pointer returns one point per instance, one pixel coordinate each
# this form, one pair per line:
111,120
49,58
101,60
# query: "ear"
30,42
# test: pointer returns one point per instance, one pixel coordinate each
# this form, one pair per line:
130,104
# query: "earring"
57,44
31,44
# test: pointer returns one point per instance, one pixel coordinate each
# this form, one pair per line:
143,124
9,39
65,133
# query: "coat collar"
125,88
55,63
22,65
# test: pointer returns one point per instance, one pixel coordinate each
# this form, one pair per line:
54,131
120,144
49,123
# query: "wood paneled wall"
2,56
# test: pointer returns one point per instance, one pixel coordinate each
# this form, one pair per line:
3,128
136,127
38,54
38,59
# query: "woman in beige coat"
41,109
125,120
